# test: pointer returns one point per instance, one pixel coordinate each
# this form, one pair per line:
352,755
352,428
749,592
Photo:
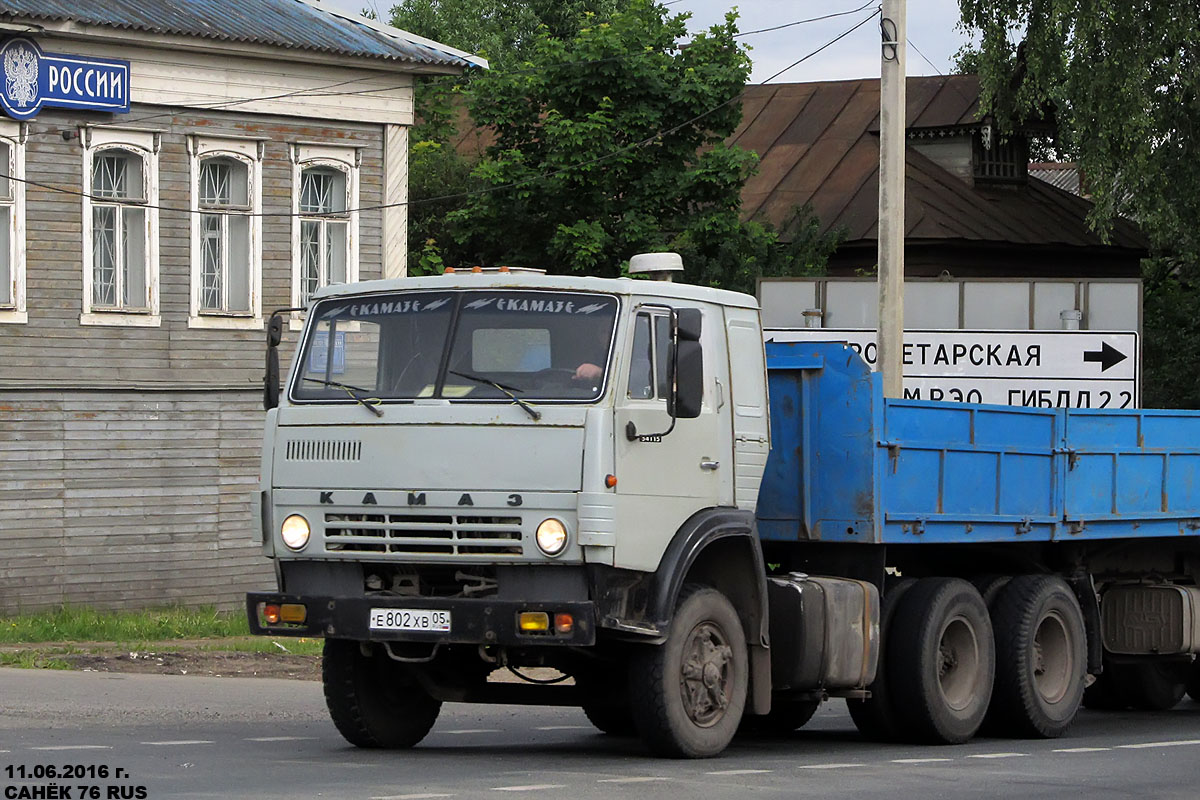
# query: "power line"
644,142
806,21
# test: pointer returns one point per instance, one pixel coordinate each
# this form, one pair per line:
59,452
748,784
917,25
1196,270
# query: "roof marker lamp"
295,532
551,537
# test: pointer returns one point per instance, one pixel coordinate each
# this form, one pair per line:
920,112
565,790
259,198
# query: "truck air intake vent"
323,450
423,534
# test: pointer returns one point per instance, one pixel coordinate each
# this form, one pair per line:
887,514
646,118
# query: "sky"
932,28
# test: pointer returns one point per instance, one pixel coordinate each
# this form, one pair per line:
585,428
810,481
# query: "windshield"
460,345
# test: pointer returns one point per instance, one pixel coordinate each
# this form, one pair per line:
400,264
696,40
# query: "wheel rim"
958,663
1053,662
706,677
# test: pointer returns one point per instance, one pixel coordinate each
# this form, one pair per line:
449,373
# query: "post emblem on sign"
21,72
34,79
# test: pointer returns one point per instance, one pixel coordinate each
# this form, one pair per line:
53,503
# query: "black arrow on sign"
1107,355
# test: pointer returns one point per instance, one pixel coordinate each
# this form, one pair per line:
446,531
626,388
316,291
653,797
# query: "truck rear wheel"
876,717
374,702
1041,657
941,660
687,694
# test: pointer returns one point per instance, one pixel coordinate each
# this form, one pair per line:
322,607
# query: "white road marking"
739,772
920,760
1083,750
646,779
280,738
75,747
1174,743
425,796
535,787
179,742
472,730
563,728
830,766
999,755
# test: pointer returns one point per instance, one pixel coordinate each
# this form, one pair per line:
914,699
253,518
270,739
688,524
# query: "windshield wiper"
508,390
351,390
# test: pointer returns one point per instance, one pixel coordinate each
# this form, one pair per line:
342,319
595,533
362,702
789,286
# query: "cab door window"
649,373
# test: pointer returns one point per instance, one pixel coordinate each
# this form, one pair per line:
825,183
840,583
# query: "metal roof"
291,24
1064,175
818,143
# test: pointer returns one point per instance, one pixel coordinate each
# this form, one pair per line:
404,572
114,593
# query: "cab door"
664,479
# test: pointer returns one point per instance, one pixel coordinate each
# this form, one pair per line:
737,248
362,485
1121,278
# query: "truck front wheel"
374,701
941,659
688,693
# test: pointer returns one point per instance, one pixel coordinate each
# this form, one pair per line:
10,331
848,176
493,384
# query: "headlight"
551,537
295,532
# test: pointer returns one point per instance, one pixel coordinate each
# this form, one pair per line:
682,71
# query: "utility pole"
891,198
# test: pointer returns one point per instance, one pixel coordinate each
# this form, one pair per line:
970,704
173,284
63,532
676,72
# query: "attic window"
1006,161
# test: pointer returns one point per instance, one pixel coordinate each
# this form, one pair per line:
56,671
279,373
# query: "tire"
687,694
989,587
876,717
1041,658
1151,686
941,661
786,716
374,702
1193,685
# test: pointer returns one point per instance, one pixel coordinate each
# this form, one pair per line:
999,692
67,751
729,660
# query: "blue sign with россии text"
33,79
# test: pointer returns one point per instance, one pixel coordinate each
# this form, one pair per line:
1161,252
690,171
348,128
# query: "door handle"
709,465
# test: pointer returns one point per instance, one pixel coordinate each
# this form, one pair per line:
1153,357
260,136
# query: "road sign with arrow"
1076,369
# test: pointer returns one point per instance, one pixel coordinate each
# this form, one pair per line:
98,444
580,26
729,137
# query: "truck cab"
503,468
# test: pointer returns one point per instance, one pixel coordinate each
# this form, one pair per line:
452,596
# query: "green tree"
611,142
500,30
1124,80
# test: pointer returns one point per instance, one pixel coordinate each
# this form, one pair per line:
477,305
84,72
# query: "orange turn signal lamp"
275,613
610,481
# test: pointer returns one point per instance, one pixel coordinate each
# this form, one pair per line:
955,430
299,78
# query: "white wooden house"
172,173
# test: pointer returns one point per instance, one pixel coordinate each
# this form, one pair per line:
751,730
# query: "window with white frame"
12,224
119,231
120,220
325,240
226,223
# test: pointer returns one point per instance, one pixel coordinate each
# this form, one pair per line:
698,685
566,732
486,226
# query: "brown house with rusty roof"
971,207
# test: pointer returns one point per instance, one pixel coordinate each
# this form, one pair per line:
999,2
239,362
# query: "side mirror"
271,378
688,365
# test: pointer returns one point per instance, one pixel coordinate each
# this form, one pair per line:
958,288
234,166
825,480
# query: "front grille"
424,534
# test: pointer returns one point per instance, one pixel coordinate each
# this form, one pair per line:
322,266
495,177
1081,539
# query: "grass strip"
83,624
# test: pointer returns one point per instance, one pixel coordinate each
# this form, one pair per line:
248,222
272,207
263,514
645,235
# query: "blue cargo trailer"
848,465
1062,543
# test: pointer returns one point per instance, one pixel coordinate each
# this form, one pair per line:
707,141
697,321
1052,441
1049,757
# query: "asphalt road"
259,738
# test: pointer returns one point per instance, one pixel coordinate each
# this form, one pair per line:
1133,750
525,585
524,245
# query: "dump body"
848,465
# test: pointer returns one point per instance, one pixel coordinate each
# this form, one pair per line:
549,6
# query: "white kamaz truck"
572,480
